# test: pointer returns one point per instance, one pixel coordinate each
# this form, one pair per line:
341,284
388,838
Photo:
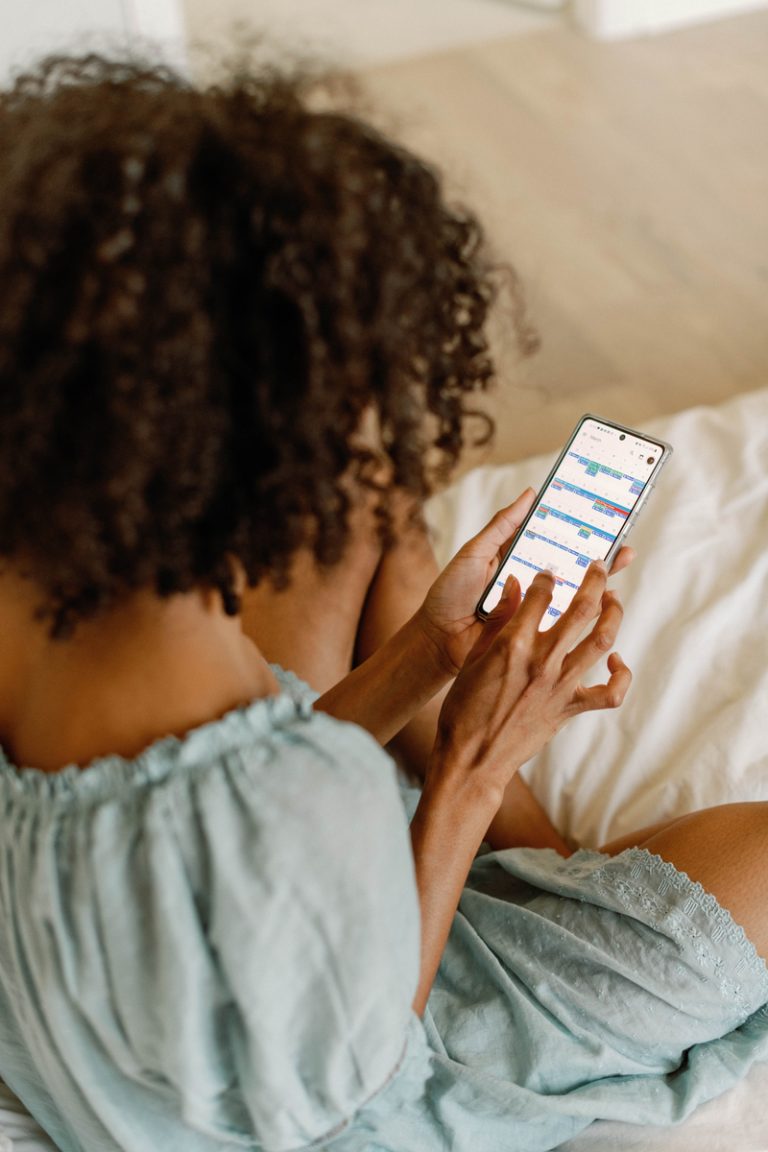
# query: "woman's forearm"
447,829
384,692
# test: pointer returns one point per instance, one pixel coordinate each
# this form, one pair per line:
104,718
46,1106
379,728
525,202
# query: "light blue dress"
215,946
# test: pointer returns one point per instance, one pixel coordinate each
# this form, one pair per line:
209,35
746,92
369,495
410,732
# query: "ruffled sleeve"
314,926
232,925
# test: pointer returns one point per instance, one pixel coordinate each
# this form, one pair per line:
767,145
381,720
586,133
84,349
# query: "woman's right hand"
519,685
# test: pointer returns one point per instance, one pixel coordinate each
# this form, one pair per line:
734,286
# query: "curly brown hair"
204,291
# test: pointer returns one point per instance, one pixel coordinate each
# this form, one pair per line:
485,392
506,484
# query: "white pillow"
694,729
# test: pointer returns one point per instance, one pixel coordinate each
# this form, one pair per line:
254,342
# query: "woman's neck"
148,669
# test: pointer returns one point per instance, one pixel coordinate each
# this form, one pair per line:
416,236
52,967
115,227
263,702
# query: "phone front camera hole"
622,437
651,460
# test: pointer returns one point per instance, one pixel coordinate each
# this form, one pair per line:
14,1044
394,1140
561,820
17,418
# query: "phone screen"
595,486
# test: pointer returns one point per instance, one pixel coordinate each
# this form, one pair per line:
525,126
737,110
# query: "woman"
238,343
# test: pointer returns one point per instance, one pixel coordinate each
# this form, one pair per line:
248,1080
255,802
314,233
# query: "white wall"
609,19
30,28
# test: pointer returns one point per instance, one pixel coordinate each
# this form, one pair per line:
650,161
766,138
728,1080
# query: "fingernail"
600,565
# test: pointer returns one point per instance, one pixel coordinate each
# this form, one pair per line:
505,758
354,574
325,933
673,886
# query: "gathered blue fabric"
216,945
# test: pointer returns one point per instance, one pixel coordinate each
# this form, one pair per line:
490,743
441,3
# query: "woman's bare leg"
638,838
725,849
521,822
311,626
404,573
329,620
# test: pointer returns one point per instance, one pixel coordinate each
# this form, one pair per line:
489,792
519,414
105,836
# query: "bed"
694,729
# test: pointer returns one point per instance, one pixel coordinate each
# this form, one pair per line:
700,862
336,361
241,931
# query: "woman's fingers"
520,616
600,640
498,533
582,609
535,603
506,608
623,559
610,695
520,684
509,602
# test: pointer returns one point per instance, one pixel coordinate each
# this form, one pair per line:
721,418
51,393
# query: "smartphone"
584,512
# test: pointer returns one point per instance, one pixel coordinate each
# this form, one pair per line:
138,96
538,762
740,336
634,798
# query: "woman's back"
224,939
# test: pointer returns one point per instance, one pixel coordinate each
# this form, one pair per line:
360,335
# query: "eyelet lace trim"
678,920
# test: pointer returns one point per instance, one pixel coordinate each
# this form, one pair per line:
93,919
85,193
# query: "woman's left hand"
447,617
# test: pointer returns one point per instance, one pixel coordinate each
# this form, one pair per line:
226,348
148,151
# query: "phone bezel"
666,452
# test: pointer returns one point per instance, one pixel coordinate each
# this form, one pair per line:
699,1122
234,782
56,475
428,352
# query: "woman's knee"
725,849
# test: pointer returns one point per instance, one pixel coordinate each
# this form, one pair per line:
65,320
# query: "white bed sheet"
694,730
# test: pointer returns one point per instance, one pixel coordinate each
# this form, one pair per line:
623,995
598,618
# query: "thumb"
511,598
509,601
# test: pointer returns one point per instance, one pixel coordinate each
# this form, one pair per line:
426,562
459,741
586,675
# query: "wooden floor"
628,184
